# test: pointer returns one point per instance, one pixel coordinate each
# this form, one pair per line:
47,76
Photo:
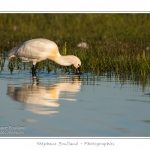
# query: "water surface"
60,105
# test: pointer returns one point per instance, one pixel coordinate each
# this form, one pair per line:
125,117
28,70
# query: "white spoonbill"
36,50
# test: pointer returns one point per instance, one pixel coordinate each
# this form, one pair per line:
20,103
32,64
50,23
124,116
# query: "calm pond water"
61,105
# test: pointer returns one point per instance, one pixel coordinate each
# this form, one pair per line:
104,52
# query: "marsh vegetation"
116,43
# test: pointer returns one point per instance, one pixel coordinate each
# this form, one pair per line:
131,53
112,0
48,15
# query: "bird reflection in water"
42,99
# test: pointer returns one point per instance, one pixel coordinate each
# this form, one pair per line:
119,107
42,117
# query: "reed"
117,43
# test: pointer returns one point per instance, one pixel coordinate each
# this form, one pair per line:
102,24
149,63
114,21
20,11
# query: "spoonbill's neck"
67,60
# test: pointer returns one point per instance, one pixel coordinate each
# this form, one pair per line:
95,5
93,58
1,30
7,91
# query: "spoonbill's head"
77,65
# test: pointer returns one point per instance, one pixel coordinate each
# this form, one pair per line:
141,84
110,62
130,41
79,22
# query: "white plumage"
36,50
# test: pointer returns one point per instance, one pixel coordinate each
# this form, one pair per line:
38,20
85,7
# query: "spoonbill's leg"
33,71
34,67
78,70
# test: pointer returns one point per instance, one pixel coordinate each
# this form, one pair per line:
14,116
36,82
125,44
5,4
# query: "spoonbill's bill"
36,50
